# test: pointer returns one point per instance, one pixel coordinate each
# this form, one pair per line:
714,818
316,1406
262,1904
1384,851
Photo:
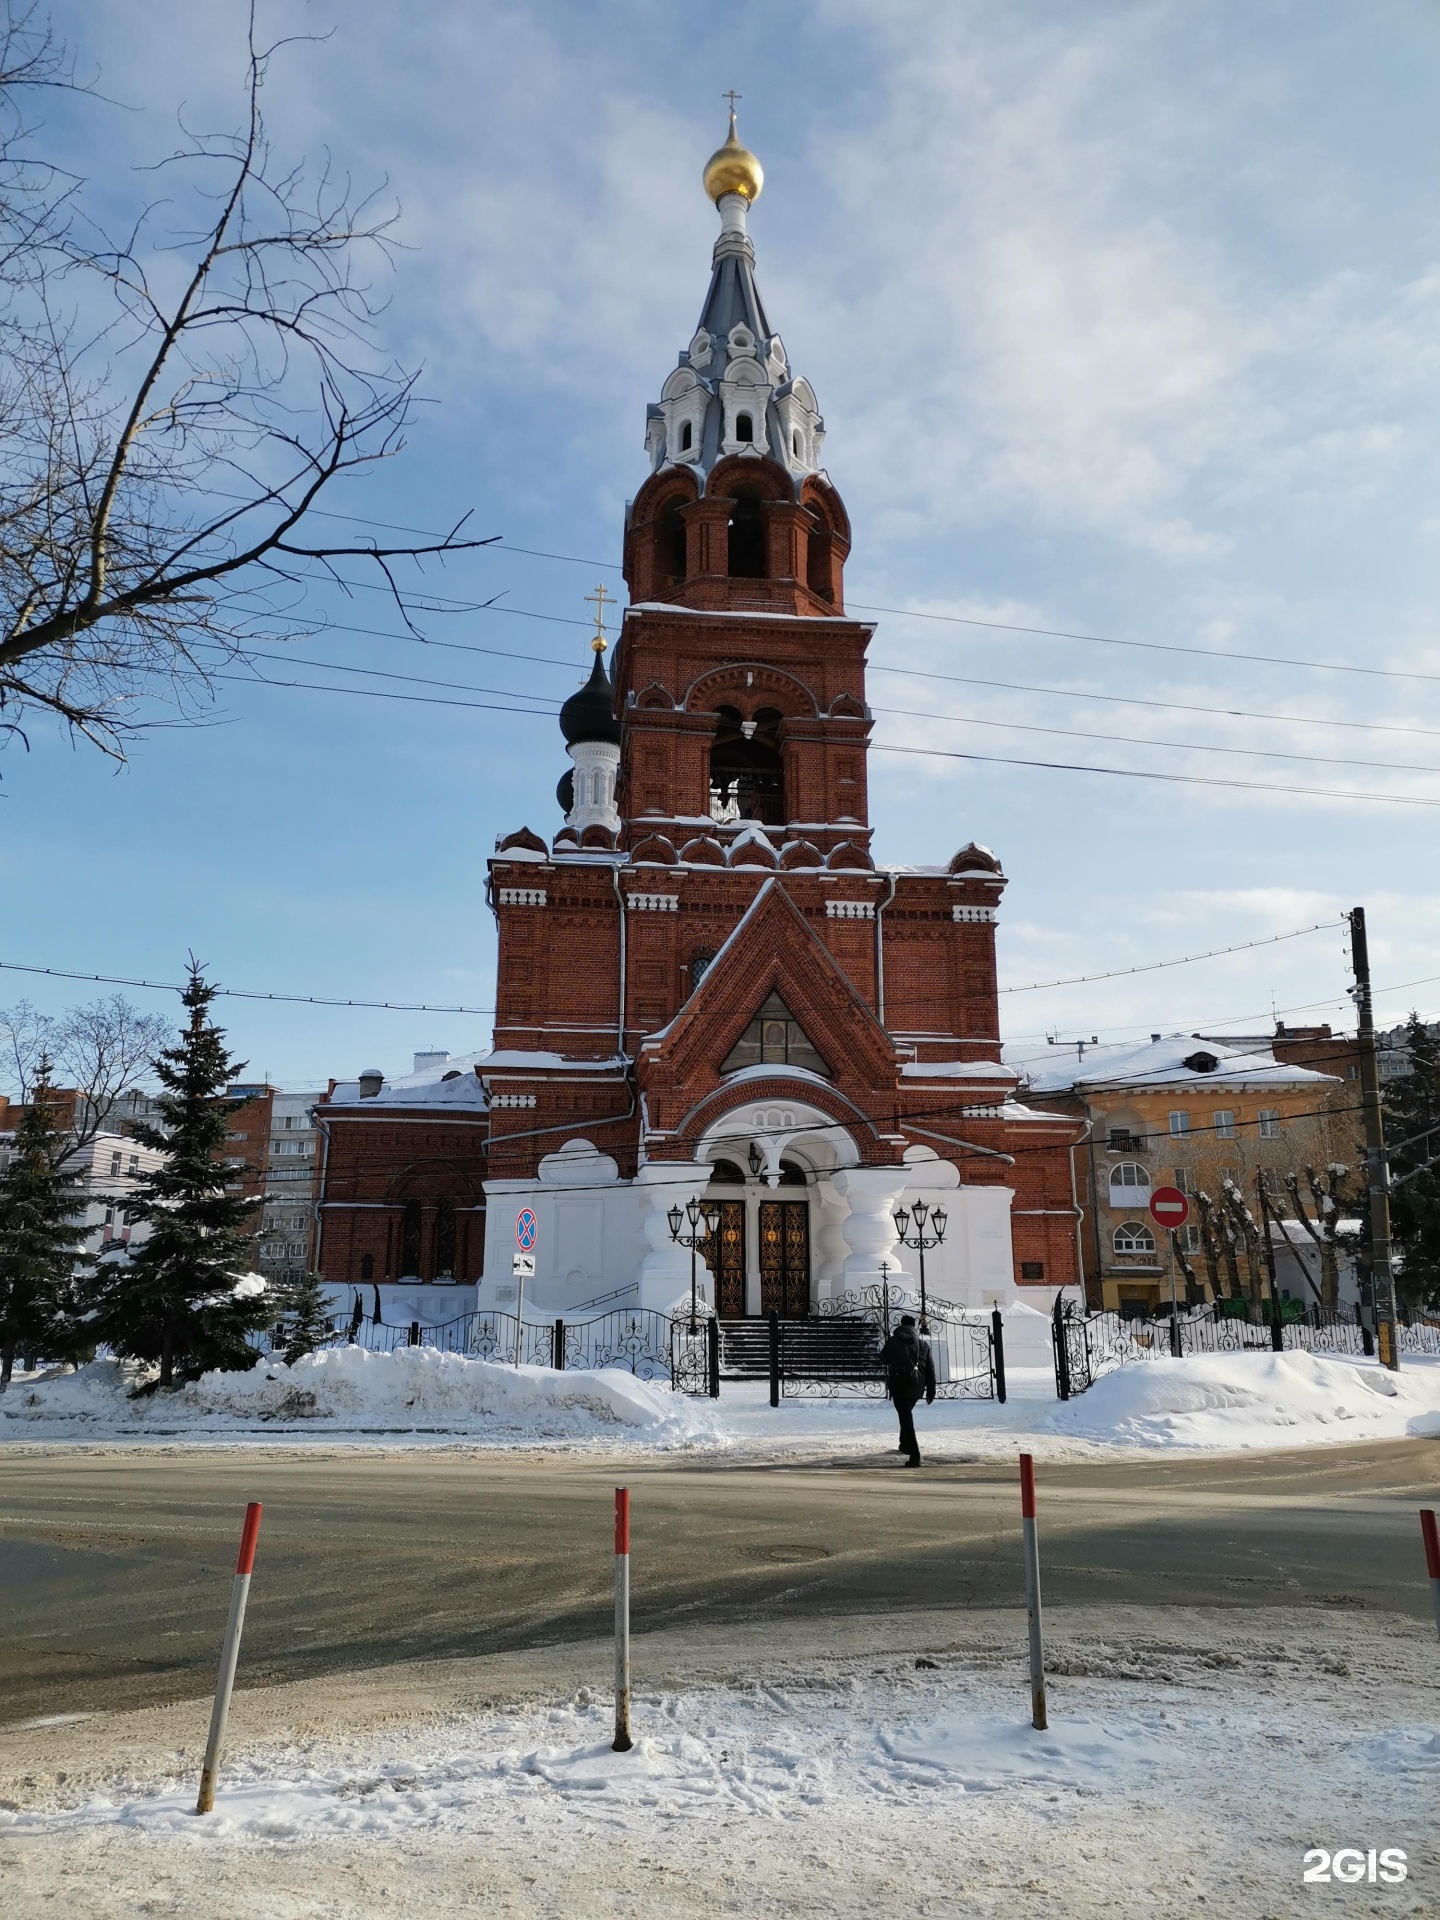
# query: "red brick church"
706,986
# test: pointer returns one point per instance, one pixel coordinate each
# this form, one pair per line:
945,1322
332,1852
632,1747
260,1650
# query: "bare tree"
100,1051
1328,1195
174,404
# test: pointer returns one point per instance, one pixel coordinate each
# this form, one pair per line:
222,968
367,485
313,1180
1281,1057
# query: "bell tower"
739,680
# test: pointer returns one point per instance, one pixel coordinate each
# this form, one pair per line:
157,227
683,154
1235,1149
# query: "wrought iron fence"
968,1352
1087,1345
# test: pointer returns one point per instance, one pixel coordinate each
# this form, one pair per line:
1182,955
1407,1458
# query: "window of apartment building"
1129,1186
1134,1237
134,1163
1179,1123
1122,1140
115,1160
296,1123
1190,1238
1185,1179
1269,1123
1223,1121
237,1136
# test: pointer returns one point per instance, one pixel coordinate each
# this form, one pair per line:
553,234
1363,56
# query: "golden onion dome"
733,169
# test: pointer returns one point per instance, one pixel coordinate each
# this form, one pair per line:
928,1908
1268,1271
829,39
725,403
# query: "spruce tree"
42,1230
1412,1122
175,1302
307,1322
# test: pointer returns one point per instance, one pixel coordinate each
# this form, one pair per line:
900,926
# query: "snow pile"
349,1388
1247,1400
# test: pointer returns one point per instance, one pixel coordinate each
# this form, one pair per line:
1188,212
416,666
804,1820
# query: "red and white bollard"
623,1742
1431,1535
229,1655
1032,1591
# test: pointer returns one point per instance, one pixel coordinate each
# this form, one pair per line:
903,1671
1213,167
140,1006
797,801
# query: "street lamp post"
920,1241
696,1211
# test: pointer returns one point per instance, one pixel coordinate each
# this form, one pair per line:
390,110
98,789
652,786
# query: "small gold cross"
599,599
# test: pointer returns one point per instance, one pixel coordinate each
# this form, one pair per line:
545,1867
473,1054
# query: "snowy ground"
1192,1759
1229,1402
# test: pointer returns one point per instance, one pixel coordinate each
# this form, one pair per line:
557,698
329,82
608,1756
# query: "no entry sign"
1169,1207
525,1229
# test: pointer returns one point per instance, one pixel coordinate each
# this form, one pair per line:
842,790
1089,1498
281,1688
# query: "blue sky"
1125,320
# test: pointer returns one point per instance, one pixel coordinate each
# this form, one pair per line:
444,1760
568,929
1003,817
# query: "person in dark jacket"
909,1372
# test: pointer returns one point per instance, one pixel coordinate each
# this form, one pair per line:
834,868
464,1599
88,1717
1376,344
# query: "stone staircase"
844,1348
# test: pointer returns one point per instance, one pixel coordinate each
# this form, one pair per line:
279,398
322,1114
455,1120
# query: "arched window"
1134,1237
367,1266
410,1241
795,443
744,428
747,538
687,436
747,774
445,1240
670,541
817,560
725,1173
791,1174
1129,1184
698,963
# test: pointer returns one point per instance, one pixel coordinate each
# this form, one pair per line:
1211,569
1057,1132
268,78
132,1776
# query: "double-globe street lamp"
920,1242
696,1211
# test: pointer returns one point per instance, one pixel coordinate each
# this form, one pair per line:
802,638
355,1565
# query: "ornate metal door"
785,1256
725,1257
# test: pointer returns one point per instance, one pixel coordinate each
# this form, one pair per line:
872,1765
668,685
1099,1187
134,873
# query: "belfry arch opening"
670,541
747,538
747,772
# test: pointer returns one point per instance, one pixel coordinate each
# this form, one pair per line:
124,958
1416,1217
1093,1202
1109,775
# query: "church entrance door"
725,1257
785,1256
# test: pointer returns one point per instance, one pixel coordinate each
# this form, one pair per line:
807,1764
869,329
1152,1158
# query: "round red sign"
1169,1207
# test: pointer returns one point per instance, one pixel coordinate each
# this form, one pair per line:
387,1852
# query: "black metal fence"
1087,1345
969,1353
637,1339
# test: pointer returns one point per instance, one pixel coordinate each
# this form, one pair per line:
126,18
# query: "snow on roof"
1163,1063
957,1070
458,1083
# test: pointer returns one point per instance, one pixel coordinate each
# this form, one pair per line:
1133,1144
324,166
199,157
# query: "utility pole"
1376,1163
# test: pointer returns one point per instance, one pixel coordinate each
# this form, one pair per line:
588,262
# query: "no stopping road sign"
1169,1208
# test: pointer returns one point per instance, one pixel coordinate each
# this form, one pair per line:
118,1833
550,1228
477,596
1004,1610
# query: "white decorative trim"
973,916
849,909
522,896
512,1099
653,902
983,1113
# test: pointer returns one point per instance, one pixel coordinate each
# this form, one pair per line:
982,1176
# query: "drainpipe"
880,952
1094,1209
1088,1139
319,1207
620,1017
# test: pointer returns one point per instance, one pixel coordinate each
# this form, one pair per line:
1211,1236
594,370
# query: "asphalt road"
115,1566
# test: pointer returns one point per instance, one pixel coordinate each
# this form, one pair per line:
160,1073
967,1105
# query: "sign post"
1170,1209
522,1266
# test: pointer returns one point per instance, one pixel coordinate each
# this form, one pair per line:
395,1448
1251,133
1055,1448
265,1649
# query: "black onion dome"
565,792
590,713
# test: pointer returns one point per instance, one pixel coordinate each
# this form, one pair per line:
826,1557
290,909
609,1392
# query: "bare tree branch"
161,445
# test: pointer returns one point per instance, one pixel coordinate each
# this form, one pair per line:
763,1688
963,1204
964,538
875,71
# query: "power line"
953,719
965,620
1181,746
1136,773
1185,960
1167,706
240,993
880,746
